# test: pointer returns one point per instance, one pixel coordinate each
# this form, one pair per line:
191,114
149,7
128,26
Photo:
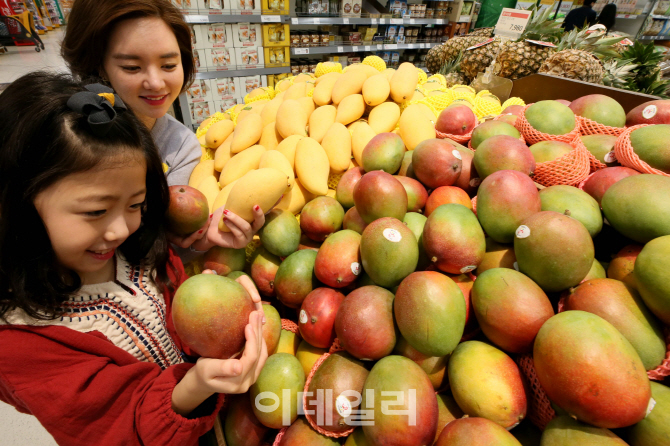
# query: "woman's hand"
241,231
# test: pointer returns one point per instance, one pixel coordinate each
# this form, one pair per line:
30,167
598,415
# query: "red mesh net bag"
458,138
659,373
473,149
589,127
533,136
571,169
540,412
289,325
279,436
627,157
594,163
474,204
336,347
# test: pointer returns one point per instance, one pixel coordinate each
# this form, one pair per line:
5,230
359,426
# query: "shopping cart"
15,33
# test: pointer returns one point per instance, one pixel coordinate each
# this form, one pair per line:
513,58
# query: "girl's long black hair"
607,16
41,142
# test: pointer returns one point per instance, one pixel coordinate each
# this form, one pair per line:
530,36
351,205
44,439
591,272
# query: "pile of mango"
419,306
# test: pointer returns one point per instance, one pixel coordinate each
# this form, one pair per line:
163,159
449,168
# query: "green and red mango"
385,151
188,210
317,316
503,152
295,278
321,217
389,251
338,262
345,187
436,163
475,431
378,194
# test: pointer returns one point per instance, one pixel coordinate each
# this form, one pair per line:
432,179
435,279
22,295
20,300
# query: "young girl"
87,342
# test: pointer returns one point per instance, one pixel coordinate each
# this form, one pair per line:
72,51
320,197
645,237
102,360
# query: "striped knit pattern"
130,312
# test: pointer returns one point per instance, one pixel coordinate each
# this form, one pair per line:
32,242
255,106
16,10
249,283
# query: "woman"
607,16
142,49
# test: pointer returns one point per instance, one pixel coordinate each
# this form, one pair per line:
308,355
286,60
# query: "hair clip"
99,104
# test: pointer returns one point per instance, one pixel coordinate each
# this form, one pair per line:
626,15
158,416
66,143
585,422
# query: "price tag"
340,49
439,21
354,48
345,21
512,22
396,21
302,51
198,19
368,48
373,21
269,18
412,21
391,46
464,19
316,21
382,21
294,20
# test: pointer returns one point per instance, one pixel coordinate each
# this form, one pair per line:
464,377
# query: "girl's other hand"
241,231
187,241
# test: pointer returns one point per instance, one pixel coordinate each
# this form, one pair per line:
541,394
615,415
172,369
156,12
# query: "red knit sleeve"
84,390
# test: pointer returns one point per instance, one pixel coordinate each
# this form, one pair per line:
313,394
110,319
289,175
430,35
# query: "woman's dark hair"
43,141
607,16
91,23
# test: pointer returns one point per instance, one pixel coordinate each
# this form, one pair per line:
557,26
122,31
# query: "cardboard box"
249,58
190,6
200,60
199,91
223,106
214,6
201,111
271,7
216,35
247,35
195,38
249,83
277,56
245,6
220,59
225,88
276,34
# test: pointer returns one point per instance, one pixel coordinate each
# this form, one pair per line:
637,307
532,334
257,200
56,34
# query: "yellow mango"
262,187
285,202
348,84
270,138
283,85
291,119
403,82
324,89
361,137
218,133
202,140
427,112
287,147
312,166
384,117
367,69
303,77
205,123
210,188
376,89
201,171
280,95
240,164
331,193
389,73
299,197
320,121
222,197
333,74
296,91
309,88
288,342
222,154
415,126
276,160
417,95
254,108
269,113
350,109
307,105
337,144
247,133
351,127
308,355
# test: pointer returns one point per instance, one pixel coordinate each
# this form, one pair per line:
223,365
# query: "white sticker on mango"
610,157
392,235
343,406
356,268
649,111
522,231
516,266
303,317
467,269
456,154
474,182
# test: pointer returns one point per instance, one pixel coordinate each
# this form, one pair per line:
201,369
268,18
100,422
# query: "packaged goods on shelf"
246,6
249,83
351,8
221,59
277,56
275,7
249,57
214,35
199,91
223,106
225,88
247,35
201,111
200,60
276,34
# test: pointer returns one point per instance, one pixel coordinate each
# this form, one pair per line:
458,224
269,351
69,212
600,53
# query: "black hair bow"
99,104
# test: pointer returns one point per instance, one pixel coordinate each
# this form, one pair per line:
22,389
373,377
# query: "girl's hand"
187,241
241,231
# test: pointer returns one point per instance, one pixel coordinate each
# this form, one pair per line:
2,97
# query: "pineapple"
618,72
478,59
435,58
451,72
483,32
521,58
449,50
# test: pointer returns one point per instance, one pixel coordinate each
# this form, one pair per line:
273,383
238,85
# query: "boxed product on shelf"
214,6
246,6
397,7
199,91
275,7
277,56
223,106
248,84
351,8
354,59
200,59
215,35
201,111
250,57
190,6
276,34
225,88
221,59
195,39
247,35
395,58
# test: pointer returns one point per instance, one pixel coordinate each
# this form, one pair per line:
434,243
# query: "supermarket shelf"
236,73
361,48
629,16
364,21
662,17
235,18
654,38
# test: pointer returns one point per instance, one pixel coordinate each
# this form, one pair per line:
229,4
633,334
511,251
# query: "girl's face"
143,65
89,214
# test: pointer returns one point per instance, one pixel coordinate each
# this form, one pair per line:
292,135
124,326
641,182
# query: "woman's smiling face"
143,65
